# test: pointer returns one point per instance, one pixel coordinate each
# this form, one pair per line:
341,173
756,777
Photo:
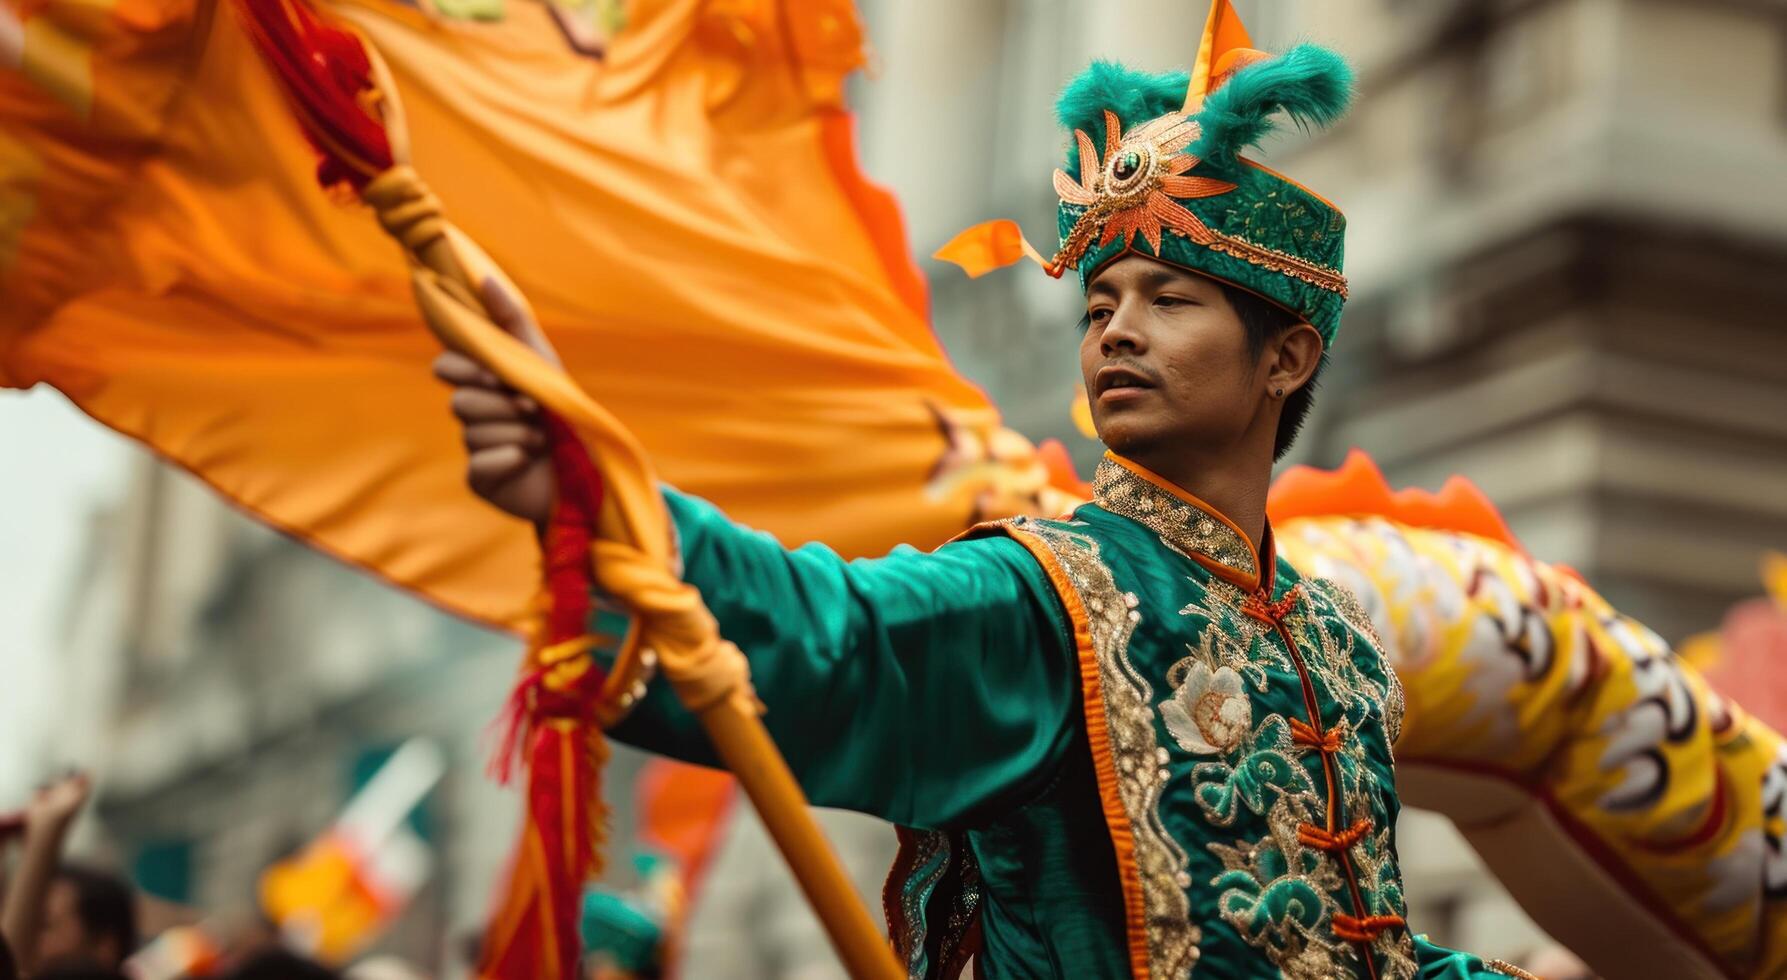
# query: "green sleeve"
931,690
1439,963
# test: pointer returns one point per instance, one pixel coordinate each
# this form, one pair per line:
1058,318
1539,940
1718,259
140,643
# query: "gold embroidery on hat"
1132,190
1136,189
1270,258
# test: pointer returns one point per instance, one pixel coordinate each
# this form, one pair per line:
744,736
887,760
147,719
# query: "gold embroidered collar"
1184,523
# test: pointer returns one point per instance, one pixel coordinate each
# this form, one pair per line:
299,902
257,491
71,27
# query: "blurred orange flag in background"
685,212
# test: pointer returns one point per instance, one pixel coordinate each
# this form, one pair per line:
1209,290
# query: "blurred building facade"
1563,219
236,688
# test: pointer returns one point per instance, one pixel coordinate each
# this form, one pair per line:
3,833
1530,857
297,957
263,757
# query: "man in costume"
1131,742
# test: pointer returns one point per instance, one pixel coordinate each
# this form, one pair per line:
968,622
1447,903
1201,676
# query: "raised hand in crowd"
56,915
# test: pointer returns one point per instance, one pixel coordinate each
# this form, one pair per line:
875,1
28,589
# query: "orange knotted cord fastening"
1259,607
1364,929
1303,733
1333,841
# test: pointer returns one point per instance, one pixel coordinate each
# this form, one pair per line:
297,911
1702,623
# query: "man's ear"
1295,355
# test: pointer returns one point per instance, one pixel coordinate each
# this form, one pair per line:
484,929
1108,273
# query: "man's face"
1165,361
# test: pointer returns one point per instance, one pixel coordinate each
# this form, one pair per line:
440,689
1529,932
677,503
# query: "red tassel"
565,808
569,582
570,533
536,933
328,78
513,726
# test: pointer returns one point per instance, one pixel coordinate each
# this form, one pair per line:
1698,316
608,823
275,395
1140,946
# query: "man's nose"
1123,332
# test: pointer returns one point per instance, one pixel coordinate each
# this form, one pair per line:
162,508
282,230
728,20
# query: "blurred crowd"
66,920
62,919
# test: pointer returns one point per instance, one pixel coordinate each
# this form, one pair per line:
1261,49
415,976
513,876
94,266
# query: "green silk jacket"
1117,745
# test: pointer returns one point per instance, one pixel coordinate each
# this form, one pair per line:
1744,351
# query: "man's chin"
1127,435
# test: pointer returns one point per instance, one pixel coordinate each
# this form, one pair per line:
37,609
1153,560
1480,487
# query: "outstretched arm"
923,688
926,689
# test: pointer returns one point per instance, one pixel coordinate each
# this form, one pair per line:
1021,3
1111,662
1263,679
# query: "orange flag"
686,214
342,890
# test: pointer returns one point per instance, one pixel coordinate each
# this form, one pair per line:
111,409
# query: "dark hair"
9,967
77,971
104,903
277,964
1264,320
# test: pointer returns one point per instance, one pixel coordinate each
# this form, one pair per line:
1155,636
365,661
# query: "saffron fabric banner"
683,209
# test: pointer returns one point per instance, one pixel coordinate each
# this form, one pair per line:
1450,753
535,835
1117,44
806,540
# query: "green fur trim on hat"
1135,96
1312,85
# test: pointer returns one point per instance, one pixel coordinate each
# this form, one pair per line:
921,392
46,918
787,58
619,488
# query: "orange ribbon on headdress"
992,245
1225,48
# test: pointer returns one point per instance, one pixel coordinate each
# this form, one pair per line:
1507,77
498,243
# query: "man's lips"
1116,378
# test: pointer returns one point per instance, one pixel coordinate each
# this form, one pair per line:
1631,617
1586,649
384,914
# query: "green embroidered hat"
1155,167
1172,184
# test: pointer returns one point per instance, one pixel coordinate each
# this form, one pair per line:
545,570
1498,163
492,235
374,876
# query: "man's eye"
1170,301
1098,316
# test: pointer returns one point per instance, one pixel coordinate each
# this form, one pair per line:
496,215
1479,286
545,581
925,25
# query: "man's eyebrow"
1158,278
1151,280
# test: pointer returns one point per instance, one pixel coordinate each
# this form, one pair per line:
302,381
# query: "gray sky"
59,466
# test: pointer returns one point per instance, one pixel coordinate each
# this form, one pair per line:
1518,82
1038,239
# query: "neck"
1234,484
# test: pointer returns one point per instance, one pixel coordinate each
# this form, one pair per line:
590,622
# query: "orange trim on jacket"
1098,732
